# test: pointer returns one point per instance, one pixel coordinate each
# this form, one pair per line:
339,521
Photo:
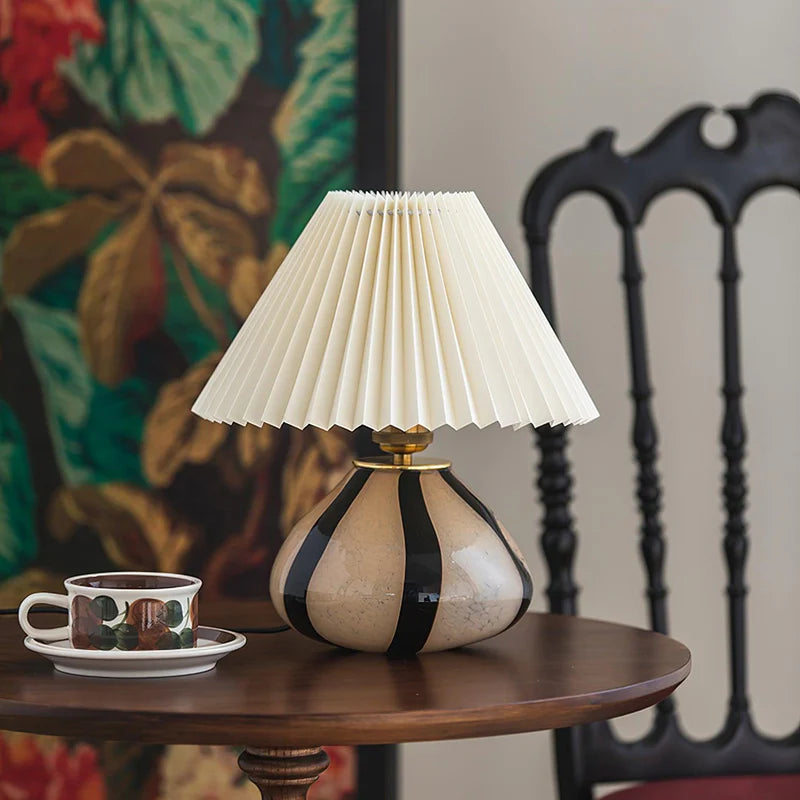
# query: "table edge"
335,729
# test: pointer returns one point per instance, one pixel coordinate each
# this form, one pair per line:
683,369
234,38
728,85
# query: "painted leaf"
51,337
112,435
250,278
317,460
91,159
315,125
246,285
22,193
173,436
222,172
181,320
274,259
103,638
61,289
334,446
122,297
18,543
280,21
136,528
40,244
167,58
15,589
104,607
212,237
255,445
172,615
297,8
129,767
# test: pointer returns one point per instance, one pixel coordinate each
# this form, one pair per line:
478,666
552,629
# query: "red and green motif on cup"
104,623
124,611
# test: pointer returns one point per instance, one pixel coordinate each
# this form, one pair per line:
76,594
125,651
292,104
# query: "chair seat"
744,787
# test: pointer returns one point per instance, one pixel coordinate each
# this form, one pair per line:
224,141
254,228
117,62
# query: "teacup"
122,611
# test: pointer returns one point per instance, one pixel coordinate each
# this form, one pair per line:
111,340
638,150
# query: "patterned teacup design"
122,611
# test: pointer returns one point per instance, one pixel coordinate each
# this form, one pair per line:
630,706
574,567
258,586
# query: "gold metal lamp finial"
402,444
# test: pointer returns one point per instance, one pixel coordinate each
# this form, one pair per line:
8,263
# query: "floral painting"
157,160
47,768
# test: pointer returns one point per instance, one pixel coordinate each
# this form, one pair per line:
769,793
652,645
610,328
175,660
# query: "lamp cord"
7,612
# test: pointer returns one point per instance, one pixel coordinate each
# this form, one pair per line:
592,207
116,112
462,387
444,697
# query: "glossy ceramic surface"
212,645
402,562
130,611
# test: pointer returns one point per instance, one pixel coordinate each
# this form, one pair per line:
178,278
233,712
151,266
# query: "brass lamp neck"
402,444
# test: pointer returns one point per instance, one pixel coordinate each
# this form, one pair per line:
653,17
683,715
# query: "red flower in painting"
338,782
34,35
30,770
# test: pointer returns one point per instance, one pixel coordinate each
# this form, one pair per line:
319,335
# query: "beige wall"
492,89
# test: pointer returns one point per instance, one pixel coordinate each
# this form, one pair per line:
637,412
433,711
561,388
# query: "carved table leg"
283,773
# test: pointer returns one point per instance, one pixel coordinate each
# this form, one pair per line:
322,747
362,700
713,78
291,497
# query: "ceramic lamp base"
400,560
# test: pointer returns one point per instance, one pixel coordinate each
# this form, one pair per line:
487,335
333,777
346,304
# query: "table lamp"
402,312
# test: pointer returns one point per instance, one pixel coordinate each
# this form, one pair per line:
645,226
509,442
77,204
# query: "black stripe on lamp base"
400,561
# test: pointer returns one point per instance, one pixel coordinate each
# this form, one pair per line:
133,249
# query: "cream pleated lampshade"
396,309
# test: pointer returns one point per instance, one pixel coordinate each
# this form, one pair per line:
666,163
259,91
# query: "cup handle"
43,634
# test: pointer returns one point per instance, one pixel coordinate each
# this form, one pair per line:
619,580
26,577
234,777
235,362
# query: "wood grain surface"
283,690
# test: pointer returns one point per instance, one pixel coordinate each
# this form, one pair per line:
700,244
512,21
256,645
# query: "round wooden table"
283,695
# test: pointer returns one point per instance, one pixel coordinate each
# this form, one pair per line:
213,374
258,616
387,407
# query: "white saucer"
212,645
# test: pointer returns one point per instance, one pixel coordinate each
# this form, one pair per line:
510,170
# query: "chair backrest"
764,153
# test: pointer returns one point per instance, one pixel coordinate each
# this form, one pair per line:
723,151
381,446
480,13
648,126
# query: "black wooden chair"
764,153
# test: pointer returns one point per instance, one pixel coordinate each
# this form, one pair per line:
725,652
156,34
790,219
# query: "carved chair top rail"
765,152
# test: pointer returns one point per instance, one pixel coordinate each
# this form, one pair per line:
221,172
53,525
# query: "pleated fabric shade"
396,309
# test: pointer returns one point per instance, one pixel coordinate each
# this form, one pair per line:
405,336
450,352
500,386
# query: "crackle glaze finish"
400,561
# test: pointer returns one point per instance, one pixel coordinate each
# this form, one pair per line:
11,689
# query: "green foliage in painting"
18,542
281,21
316,127
181,321
129,269
96,432
53,346
113,434
60,290
167,58
23,192
169,154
